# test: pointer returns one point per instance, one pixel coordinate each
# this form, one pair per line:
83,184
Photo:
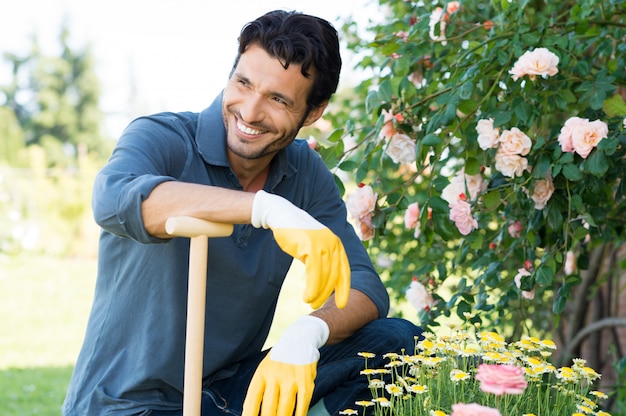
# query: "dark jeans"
338,380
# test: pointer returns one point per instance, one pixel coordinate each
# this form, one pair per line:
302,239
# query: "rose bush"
514,111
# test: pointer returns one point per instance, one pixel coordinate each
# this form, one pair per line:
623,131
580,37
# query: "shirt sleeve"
150,151
326,205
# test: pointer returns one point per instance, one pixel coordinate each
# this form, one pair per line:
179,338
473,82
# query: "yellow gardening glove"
306,239
284,380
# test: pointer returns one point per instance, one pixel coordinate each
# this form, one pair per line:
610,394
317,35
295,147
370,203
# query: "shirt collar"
211,143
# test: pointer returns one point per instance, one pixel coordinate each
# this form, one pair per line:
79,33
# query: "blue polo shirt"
132,357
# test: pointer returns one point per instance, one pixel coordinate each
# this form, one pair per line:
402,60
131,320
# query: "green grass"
44,305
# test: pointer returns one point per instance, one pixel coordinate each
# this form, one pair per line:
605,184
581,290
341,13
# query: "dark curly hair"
294,37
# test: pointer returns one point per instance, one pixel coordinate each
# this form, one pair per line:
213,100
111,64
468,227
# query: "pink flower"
401,148
487,135
312,142
537,62
514,142
501,379
581,135
361,205
411,218
389,129
366,229
462,184
518,282
473,409
461,214
542,192
510,165
515,229
570,263
418,296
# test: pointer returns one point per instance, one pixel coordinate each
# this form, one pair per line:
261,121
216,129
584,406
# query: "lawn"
44,304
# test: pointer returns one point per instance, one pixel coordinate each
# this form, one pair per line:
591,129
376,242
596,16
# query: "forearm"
342,323
200,201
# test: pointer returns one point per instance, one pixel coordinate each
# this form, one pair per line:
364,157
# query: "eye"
279,100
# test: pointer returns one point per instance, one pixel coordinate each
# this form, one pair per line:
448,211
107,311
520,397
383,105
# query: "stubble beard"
246,150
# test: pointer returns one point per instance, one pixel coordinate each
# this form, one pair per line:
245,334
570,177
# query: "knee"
399,335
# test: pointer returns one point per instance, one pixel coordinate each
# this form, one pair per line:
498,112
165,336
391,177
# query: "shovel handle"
199,232
192,227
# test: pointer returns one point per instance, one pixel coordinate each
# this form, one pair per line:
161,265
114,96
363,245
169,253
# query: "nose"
252,108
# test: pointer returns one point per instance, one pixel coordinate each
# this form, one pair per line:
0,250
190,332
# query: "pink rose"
570,263
542,191
510,165
518,282
366,229
514,142
487,135
462,184
581,135
501,379
515,229
461,214
473,409
401,148
389,129
537,62
361,202
411,218
360,205
418,296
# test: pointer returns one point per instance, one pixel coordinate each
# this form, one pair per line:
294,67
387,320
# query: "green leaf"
540,170
559,305
502,118
492,199
348,165
438,204
596,164
465,92
614,106
472,166
572,172
372,101
431,140
544,275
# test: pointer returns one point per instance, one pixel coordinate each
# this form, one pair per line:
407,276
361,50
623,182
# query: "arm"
342,323
211,203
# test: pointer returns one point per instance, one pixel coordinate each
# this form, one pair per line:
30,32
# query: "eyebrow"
288,100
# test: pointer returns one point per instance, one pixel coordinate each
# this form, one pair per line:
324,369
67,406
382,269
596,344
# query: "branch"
593,327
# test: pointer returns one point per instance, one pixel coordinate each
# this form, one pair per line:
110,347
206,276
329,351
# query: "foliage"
446,370
437,70
55,100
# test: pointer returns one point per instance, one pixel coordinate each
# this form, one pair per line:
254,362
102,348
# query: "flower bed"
465,375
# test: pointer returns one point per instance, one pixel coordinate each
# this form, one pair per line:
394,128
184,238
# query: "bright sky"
178,52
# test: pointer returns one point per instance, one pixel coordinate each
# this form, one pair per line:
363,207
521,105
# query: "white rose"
510,165
361,202
515,142
401,148
487,135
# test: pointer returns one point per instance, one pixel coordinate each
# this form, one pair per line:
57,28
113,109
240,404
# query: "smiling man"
235,162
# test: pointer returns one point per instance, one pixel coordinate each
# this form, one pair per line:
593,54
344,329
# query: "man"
236,162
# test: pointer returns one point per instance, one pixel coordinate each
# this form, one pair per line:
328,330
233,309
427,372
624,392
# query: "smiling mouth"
248,130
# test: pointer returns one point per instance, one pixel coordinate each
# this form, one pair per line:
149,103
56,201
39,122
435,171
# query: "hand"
284,380
303,237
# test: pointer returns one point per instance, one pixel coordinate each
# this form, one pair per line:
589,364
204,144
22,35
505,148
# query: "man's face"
264,105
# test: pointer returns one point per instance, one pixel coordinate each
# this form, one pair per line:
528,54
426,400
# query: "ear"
315,114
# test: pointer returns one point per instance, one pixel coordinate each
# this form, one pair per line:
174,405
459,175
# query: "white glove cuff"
300,342
259,213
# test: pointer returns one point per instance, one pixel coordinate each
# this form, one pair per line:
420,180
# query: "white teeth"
247,130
